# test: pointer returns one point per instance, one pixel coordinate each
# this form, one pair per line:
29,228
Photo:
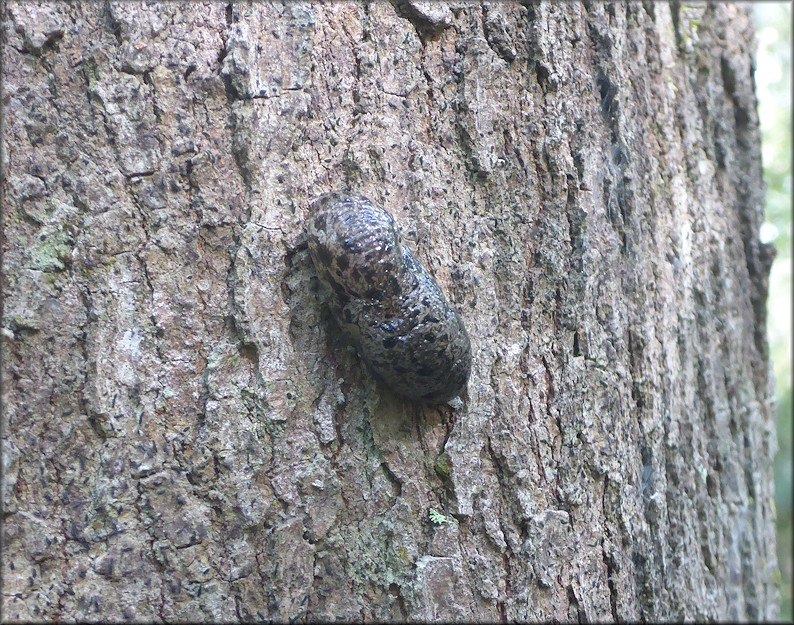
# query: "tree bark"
186,434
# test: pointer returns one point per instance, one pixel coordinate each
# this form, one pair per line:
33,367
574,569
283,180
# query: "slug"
387,303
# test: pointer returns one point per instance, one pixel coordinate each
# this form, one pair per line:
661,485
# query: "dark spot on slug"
390,341
324,254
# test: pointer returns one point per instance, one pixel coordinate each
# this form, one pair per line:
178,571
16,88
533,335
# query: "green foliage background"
773,85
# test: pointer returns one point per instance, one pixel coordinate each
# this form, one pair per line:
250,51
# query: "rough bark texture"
186,436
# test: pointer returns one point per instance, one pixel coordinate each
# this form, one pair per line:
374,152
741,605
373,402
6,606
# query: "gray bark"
186,435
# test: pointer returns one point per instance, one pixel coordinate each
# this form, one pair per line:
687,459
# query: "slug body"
389,305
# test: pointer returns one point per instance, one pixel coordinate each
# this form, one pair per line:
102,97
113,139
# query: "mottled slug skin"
386,301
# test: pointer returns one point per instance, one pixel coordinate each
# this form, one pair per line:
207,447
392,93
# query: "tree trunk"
188,436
